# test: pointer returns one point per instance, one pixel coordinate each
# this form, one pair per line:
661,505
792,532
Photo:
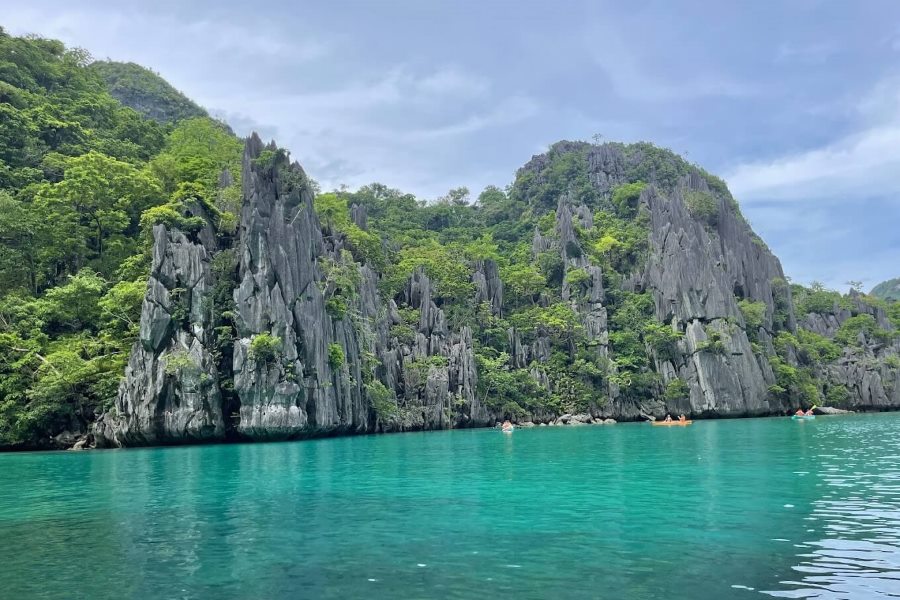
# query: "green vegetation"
817,298
382,401
146,92
366,247
754,314
676,390
703,206
887,290
837,395
93,156
796,384
625,197
810,347
82,180
850,330
335,356
180,362
265,347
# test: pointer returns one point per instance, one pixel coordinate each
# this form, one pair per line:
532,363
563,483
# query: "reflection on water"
856,552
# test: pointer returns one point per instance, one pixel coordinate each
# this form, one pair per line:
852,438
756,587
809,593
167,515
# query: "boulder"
828,410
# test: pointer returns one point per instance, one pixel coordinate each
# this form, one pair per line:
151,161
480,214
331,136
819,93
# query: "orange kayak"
671,423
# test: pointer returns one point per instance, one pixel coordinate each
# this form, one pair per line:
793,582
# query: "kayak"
510,430
803,418
672,423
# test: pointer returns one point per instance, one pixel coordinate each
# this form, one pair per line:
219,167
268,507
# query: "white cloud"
245,40
396,88
863,163
813,53
631,79
404,124
140,36
454,82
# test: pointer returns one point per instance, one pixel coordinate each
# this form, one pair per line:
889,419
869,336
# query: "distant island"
163,281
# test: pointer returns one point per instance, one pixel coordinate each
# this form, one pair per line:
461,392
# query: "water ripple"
723,509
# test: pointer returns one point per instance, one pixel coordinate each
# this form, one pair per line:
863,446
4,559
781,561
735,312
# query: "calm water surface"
723,509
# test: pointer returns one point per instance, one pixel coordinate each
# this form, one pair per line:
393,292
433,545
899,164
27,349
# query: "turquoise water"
722,509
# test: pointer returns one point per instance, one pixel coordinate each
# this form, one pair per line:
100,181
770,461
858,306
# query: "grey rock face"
170,393
869,369
694,272
439,375
298,390
359,215
829,410
488,286
315,355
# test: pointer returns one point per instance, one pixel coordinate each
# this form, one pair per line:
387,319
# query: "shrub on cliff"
264,347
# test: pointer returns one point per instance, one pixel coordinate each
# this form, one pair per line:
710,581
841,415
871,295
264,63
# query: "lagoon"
748,508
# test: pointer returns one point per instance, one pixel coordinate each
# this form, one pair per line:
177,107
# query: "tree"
18,250
523,280
99,198
451,277
457,197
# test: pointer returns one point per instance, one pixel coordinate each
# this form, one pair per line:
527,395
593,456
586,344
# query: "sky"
795,103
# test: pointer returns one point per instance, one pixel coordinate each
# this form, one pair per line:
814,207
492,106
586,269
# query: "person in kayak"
507,426
800,413
668,419
682,418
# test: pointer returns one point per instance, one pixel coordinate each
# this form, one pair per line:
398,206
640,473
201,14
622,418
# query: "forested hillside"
606,280
887,290
82,180
146,92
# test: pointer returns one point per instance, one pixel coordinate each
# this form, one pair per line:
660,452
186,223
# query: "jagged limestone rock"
693,272
325,367
488,285
170,393
297,391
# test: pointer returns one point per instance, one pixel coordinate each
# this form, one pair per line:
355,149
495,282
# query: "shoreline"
566,420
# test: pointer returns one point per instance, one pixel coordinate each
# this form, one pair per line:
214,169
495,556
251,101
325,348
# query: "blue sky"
795,103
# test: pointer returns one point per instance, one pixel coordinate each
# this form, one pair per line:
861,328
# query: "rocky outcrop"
697,272
830,410
171,393
868,370
437,373
299,387
315,347
488,285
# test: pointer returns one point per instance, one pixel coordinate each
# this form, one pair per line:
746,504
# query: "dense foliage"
888,290
146,92
82,180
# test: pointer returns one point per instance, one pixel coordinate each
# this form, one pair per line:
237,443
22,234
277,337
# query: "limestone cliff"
170,393
307,341
298,369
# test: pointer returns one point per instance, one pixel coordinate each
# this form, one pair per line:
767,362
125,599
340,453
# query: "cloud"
631,79
814,53
860,164
227,37
455,82
508,112
396,87
104,29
